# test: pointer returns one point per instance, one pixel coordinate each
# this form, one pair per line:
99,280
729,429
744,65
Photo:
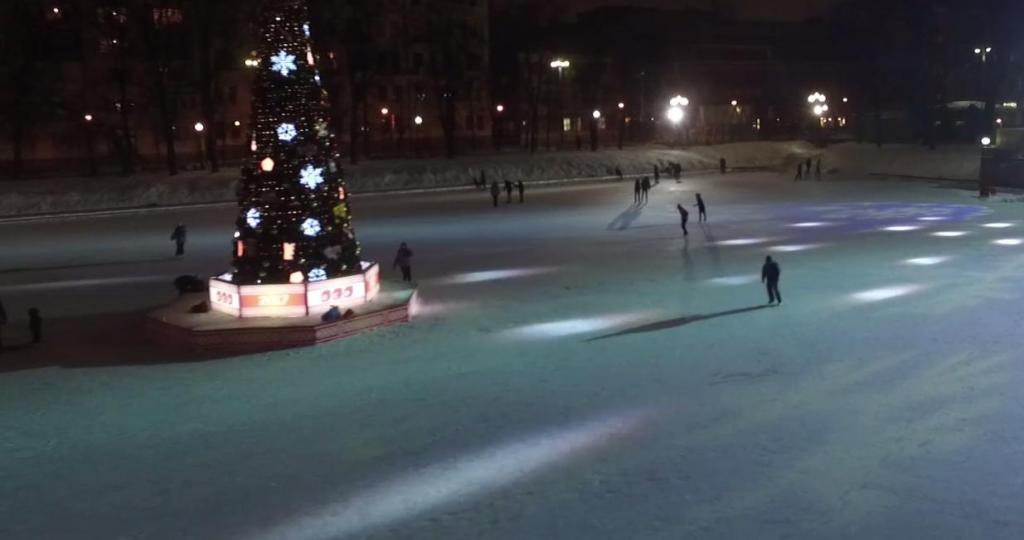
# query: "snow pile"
849,160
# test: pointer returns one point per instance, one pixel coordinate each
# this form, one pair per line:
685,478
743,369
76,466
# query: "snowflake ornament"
311,227
253,217
283,63
311,176
317,274
286,132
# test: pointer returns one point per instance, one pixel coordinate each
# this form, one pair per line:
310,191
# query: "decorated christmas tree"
294,223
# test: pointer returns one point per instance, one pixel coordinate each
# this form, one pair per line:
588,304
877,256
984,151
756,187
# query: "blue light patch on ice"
743,241
998,225
795,248
885,293
927,261
457,479
901,228
1009,242
496,275
572,327
949,234
733,281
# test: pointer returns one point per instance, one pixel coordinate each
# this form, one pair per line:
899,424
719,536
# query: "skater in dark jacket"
721,165
817,170
770,274
495,192
35,325
522,191
645,186
508,192
637,189
180,235
702,210
657,175
684,216
403,260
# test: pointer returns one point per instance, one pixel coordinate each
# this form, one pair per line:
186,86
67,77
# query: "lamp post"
90,143
200,128
593,129
677,113
499,109
560,65
622,123
819,106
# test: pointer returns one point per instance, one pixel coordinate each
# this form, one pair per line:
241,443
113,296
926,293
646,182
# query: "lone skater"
495,192
721,165
618,172
684,216
645,186
799,171
3,322
522,191
637,188
702,210
657,174
35,326
403,260
808,168
770,274
180,235
817,169
508,192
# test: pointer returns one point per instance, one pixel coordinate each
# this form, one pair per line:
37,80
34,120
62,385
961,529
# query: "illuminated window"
567,124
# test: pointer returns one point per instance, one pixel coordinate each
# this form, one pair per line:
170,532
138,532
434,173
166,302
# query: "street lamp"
560,64
986,141
87,117
500,108
622,105
90,143
384,111
983,52
596,114
199,127
418,120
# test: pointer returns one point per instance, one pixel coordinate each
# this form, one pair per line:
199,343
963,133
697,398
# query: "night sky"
759,9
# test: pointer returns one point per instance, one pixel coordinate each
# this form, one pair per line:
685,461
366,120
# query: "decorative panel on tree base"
295,299
217,332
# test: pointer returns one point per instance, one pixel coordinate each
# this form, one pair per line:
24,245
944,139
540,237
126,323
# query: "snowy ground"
578,371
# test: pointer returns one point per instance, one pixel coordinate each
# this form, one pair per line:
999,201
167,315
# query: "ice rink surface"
577,370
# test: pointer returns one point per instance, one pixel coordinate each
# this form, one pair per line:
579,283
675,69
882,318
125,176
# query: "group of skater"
803,169
496,189
702,213
35,325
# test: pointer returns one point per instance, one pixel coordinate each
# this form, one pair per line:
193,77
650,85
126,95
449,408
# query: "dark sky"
753,9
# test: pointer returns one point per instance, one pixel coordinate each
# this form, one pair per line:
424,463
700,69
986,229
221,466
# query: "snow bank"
847,160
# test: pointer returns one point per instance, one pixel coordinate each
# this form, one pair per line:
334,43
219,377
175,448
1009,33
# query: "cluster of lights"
819,103
675,111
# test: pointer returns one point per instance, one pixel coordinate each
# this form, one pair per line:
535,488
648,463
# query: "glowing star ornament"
311,176
311,227
253,217
286,132
317,274
283,63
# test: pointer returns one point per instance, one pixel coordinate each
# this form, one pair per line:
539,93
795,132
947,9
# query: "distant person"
657,174
522,191
721,165
495,192
637,190
180,235
817,169
483,179
645,187
618,172
3,322
677,171
35,325
770,274
684,216
702,210
799,171
508,192
403,260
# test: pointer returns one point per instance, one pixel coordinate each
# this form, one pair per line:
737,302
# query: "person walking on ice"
645,187
522,191
180,235
770,274
702,210
817,170
508,192
637,187
403,260
684,216
495,192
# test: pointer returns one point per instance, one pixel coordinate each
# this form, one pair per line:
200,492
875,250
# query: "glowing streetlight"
238,123
384,111
679,101
87,117
846,100
596,114
983,52
734,103
418,120
199,127
560,64
675,114
500,108
622,105
986,141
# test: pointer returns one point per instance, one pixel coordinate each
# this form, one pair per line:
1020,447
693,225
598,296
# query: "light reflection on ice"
571,327
743,241
1009,242
456,479
927,261
901,228
495,275
794,248
809,224
949,234
733,281
998,225
885,293
931,218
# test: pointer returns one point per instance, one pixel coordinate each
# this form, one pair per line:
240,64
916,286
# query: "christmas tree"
294,223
